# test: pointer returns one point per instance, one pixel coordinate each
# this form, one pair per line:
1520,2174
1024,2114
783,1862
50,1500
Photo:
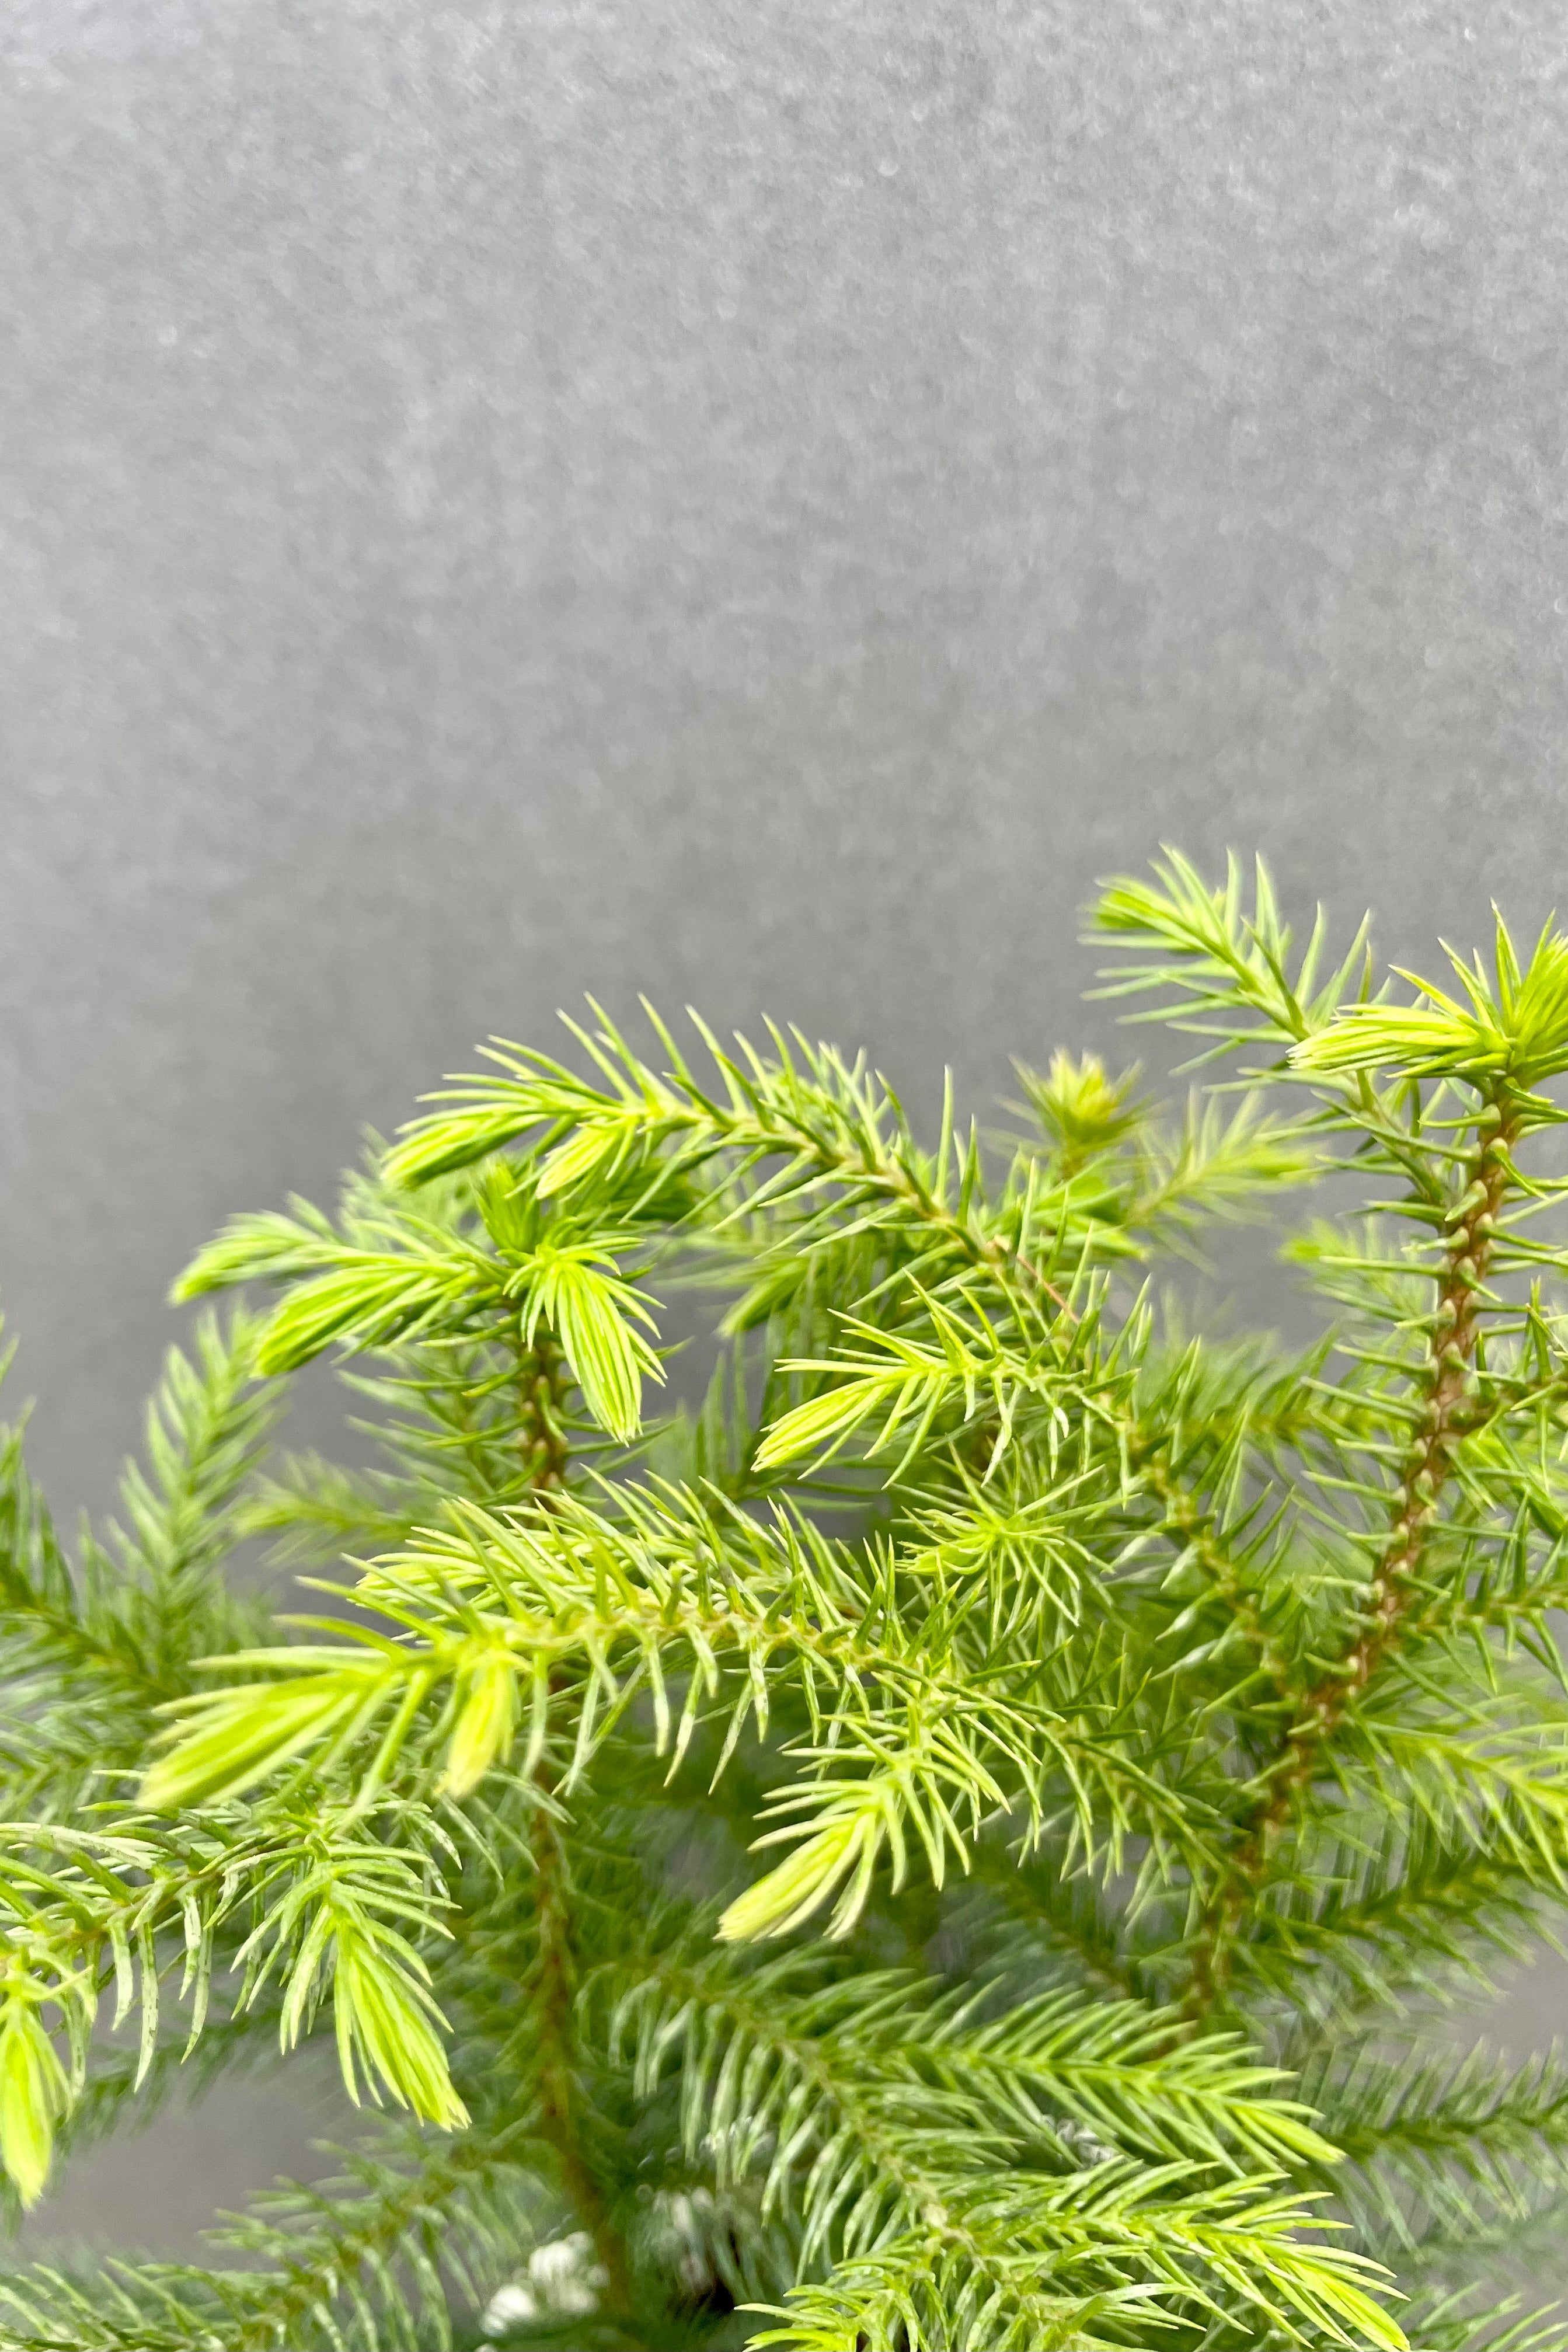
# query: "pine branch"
830,1122
1226,972
572,1590
905,2169
372,2262
90,1655
1442,2144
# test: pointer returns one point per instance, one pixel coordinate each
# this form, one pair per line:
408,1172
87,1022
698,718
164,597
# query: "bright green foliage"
972,1835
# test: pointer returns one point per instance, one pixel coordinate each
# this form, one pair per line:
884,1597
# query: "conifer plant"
973,1838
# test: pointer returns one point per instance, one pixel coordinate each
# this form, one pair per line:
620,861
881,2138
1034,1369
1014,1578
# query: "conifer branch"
1442,1390
1181,1709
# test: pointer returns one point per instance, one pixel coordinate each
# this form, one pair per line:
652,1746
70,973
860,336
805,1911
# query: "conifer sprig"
939,1847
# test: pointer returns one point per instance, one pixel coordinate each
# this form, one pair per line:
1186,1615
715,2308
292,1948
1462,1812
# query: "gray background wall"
756,501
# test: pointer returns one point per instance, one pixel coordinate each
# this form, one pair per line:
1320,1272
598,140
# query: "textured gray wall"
757,501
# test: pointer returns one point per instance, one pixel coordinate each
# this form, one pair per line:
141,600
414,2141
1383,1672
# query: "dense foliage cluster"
969,1839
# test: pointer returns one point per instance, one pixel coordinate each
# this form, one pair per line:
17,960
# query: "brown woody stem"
1444,1415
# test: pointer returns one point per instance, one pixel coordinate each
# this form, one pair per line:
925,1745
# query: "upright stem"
541,1432
1443,1387
542,1382
557,2040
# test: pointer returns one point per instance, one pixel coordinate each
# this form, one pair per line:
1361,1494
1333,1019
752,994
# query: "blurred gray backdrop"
756,501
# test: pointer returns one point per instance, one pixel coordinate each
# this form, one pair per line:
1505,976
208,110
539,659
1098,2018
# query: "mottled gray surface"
760,502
